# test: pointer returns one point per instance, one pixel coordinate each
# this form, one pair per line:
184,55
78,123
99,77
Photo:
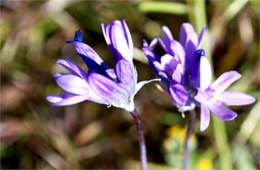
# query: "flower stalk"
190,130
141,139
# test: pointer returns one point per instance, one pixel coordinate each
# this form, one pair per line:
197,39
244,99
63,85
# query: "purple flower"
186,73
179,68
101,84
214,98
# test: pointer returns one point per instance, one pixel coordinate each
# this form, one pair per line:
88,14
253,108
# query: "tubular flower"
101,84
179,68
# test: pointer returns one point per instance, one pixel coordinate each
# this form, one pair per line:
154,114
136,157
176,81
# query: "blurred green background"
35,135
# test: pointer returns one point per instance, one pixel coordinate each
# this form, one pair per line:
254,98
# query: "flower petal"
177,76
201,37
86,51
119,40
126,75
201,96
186,30
107,89
167,39
58,75
221,111
151,57
192,37
168,63
166,80
128,36
111,73
205,73
194,74
190,55
90,57
179,94
167,35
178,51
235,98
72,84
65,99
225,80
164,46
153,43
204,117
72,67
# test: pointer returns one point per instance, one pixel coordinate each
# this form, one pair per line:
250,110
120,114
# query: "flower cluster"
184,70
186,73
101,83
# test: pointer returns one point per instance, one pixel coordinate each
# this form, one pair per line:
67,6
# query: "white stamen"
182,115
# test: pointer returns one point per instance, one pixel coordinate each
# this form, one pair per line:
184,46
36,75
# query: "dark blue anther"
200,52
78,36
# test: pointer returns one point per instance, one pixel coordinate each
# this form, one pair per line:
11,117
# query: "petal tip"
232,118
203,127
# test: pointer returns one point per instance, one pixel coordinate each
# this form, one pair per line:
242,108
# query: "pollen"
216,97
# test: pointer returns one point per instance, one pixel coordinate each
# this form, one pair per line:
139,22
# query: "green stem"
190,131
225,157
234,8
175,8
197,16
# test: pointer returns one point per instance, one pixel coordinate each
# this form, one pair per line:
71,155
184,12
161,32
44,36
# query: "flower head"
179,68
101,84
186,73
